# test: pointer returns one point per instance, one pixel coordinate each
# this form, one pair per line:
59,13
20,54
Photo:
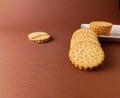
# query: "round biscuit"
86,55
39,37
101,27
84,32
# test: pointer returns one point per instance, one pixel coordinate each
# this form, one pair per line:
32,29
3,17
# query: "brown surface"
30,70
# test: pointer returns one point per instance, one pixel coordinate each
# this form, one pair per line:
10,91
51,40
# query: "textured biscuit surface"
84,32
85,50
86,55
101,27
39,37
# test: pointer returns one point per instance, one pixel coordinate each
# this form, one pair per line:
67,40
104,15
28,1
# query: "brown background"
29,70
59,13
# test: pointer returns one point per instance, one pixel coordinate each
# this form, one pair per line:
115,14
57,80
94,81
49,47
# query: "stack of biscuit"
85,50
101,27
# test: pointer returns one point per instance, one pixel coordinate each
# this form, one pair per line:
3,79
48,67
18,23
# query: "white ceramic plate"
114,34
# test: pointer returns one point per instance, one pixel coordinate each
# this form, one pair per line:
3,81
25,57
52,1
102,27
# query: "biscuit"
84,39
101,27
39,37
84,32
85,50
86,55
84,35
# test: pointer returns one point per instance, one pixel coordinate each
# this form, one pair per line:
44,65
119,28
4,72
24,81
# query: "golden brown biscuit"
85,50
39,37
84,32
86,55
84,39
101,27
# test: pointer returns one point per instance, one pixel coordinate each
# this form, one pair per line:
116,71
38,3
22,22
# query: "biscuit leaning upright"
85,50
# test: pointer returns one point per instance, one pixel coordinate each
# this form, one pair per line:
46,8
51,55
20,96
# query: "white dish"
114,34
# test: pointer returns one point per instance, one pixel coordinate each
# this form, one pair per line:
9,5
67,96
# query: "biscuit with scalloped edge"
86,55
85,50
101,27
39,37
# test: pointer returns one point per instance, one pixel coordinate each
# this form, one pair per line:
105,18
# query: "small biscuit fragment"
101,27
39,37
